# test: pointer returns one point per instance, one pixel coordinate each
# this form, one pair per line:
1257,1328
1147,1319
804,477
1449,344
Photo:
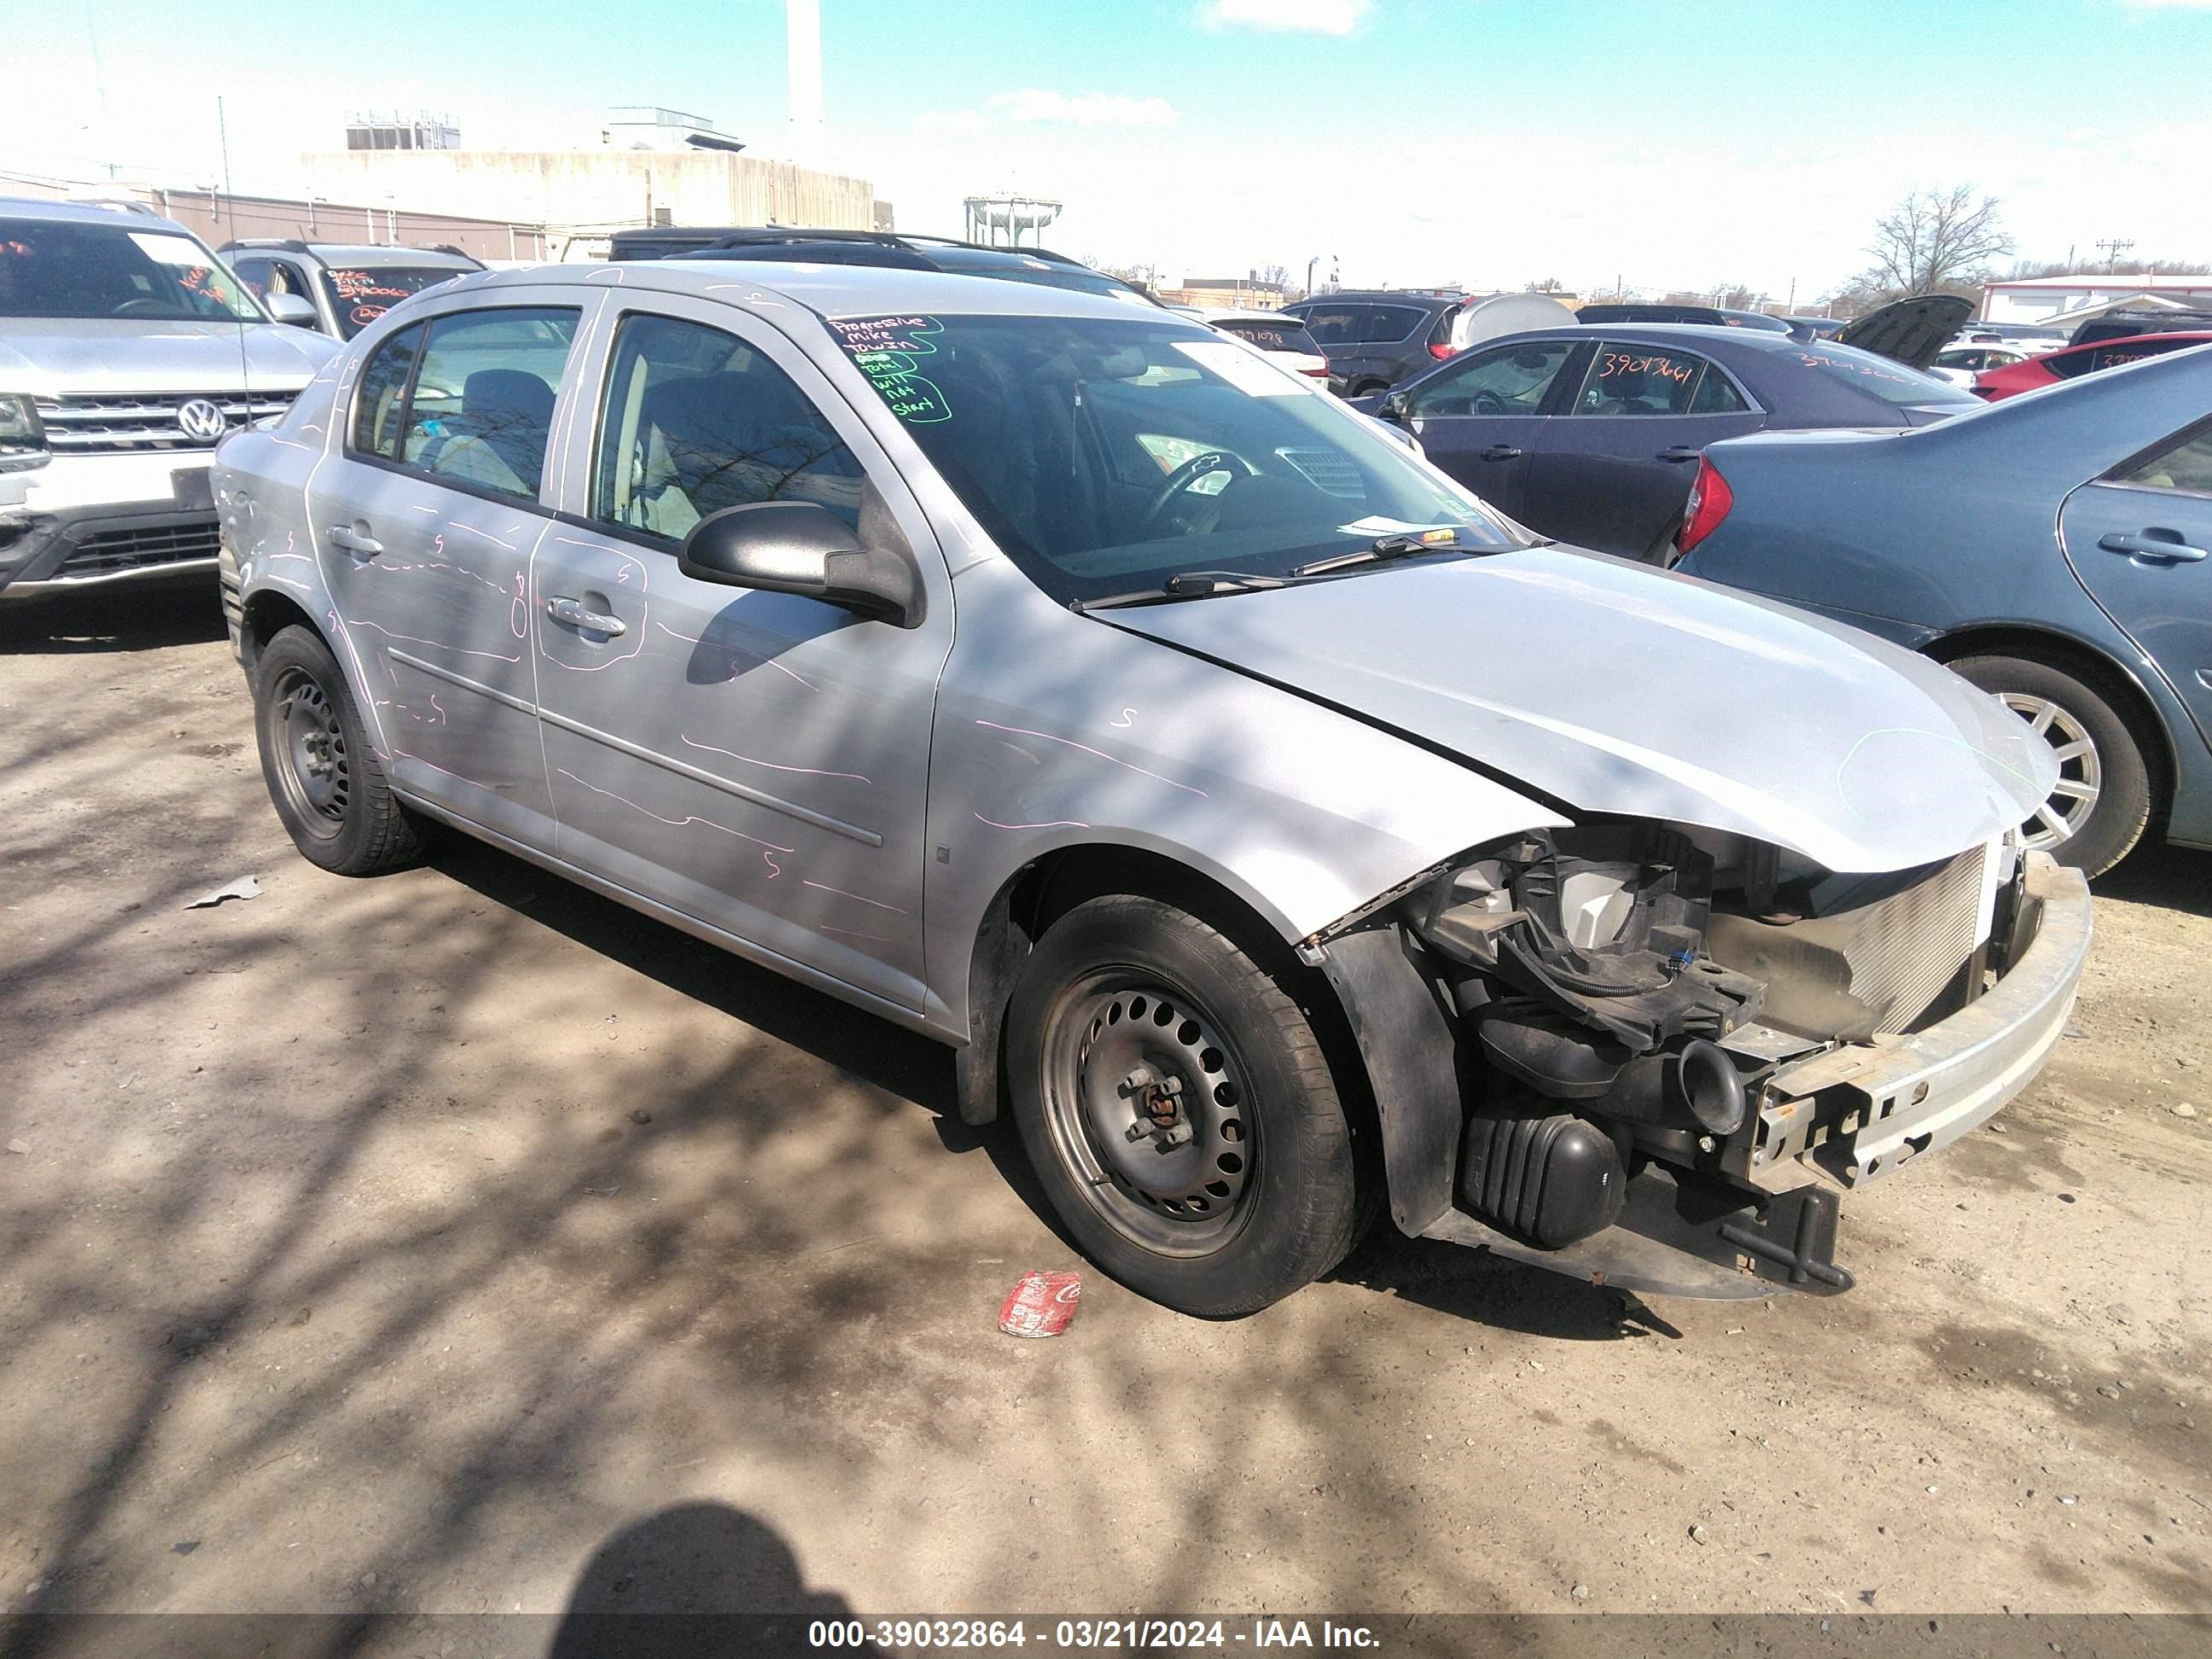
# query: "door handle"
1681,452
576,616
355,541
2165,546
1501,452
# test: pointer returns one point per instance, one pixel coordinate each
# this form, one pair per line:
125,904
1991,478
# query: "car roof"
85,213
357,253
1384,295
838,290
1703,336
1252,316
2166,337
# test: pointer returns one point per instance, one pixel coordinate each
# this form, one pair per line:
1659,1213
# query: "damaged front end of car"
1668,1049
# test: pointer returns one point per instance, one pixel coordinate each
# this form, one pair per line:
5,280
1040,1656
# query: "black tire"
2112,767
1372,389
323,776
1262,1197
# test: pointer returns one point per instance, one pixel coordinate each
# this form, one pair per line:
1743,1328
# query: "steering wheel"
142,307
1489,403
1210,461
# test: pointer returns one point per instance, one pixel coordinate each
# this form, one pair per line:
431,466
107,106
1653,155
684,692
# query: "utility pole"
2114,246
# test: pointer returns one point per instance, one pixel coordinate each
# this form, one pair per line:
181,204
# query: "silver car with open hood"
1277,833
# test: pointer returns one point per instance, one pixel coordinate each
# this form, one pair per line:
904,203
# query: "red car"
2054,366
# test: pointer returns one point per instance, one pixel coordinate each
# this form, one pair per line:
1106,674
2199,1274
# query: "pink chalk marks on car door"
630,576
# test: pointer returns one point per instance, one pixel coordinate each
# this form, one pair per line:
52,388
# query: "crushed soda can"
1043,1304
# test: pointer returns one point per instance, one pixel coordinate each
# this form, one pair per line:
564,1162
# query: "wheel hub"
313,745
2081,770
1161,1106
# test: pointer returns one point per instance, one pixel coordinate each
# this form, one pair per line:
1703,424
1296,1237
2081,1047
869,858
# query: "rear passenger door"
1479,417
1613,473
2140,542
756,761
423,524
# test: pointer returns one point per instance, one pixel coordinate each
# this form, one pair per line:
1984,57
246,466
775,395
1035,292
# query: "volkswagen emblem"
202,421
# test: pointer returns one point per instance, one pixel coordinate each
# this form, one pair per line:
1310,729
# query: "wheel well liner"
268,615
2099,669
1351,1008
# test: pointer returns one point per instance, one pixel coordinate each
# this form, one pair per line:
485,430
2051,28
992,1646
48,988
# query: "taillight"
1320,373
1711,498
1439,349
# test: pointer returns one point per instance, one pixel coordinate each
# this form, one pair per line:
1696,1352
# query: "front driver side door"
755,760
2140,542
1479,417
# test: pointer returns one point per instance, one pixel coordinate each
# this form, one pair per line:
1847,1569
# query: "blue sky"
1416,141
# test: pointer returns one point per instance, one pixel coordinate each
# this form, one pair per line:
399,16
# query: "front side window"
2186,465
75,270
1641,380
1506,380
1105,455
481,408
380,406
694,420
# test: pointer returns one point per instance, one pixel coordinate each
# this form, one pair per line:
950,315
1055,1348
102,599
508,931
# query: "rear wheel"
1178,1109
2098,810
324,779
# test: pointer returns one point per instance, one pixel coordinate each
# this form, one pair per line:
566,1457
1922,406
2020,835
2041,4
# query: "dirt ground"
446,1241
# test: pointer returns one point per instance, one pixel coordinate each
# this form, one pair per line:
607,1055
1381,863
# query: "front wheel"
1178,1109
2101,804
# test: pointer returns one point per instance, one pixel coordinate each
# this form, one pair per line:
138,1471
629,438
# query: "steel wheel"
1145,1103
2081,770
309,741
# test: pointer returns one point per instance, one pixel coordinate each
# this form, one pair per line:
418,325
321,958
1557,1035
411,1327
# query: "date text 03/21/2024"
905,1635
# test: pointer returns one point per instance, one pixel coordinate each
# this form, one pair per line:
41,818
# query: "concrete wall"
597,189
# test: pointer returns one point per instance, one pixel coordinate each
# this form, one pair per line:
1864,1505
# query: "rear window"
1880,377
1287,334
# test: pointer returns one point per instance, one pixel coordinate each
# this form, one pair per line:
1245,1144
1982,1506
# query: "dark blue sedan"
2055,548
1591,434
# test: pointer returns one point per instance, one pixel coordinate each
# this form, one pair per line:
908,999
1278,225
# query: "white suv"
127,352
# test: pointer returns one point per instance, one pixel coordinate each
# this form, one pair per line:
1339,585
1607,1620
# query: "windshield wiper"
1382,549
1185,584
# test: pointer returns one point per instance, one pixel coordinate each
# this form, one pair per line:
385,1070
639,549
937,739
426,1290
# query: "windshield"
1881,377
74,269
359,294
1105,456
1288,335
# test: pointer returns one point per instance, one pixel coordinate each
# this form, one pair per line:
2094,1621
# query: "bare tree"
1277,275
1934,241
1548,285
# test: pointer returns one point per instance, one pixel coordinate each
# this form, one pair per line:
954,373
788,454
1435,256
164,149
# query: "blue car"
2052,548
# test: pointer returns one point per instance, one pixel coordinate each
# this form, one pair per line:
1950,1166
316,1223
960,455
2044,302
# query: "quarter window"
1640,379
1510,381
481,405
380,405
696,420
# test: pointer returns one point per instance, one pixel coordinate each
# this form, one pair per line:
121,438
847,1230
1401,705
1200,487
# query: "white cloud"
1302,16
1089,109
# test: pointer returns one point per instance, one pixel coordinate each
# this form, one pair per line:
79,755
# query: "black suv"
2129,325
868,247
350,285
1376,337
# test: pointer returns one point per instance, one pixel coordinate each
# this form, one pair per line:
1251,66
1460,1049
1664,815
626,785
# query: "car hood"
1616,689
49,357
1911,330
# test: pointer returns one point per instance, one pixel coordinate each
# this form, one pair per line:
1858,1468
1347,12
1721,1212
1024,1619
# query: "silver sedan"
1278,833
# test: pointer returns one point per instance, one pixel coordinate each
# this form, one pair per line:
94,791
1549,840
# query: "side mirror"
291,308
801,547
1395,407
